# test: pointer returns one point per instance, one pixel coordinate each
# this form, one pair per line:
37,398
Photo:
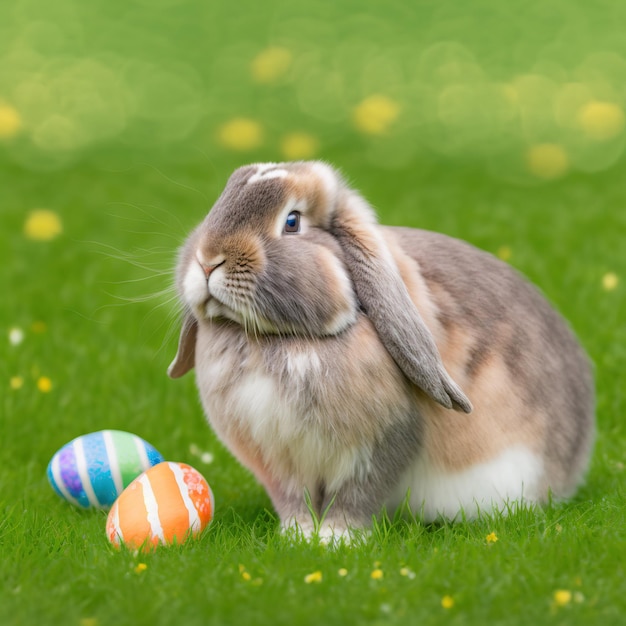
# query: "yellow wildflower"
42,225
447,602
141,567
44,384
377,574
314,577
562,597
492,538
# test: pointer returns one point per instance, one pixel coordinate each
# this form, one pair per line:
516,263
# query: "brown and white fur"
332,358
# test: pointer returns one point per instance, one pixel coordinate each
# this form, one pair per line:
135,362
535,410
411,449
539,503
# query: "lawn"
124,121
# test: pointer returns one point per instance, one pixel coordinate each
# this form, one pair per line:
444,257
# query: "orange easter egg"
167,504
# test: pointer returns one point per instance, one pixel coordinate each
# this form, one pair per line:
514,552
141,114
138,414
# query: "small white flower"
16,336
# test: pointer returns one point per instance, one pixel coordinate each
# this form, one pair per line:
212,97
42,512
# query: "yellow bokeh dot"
377,574
44,384
610,281
314,577
376,114
271,64
42,225
447,602
505,253
342,572
562,597
38,327
547,161
601,121
299,145
241,134
16,382
141,567
10,121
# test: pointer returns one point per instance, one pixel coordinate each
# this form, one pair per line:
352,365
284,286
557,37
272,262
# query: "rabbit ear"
387,303
185,358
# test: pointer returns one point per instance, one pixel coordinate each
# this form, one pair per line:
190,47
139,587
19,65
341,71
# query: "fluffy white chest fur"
303,447
263,417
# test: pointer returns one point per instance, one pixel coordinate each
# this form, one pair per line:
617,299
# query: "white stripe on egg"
116,523
83,472
194,519
141,451
114,464
152,508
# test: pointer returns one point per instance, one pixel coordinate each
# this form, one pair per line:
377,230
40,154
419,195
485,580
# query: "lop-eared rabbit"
364,362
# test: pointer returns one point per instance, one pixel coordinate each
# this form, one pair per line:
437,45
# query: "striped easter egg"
167,504
91,471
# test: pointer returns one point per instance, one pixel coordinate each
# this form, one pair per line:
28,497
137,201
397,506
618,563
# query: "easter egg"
91,471
167,504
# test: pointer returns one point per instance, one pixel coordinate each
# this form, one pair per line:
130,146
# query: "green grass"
107,358
142,165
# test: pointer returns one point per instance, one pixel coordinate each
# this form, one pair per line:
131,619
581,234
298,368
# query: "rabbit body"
330,358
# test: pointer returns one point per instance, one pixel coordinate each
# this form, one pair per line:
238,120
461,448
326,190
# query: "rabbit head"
290,249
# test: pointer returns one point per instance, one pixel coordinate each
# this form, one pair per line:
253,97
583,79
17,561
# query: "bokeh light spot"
10,121
58,133
16,382
38,327
610,281
601,121
241,134
42,225
16,336
376,114
271,65
547,161
44,384
299,145
504,253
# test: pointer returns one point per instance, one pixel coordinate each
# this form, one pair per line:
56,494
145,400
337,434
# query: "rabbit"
374,366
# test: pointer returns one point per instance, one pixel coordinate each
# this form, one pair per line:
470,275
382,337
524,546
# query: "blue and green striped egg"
91,471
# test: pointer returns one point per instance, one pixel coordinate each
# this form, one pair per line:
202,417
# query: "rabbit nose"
209,266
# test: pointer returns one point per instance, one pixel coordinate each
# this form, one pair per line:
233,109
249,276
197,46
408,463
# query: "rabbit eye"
292,223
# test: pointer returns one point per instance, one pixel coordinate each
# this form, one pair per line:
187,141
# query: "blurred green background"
529,90
120,121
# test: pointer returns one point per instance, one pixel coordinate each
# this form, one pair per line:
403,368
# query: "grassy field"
124,121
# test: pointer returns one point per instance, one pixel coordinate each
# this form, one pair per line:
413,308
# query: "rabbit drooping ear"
387,303
185,357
